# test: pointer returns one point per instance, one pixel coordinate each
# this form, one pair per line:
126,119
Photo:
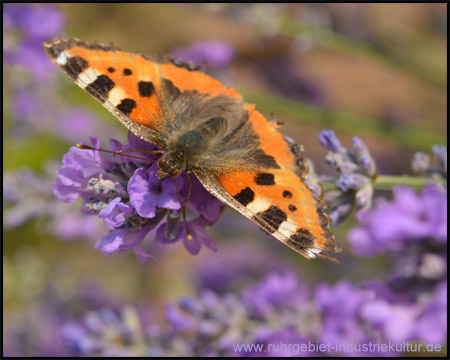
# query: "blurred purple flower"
106,333
342,316
126,193
432,321
395,321
34,24
287,79
36,108
214,53
423,320
235,265
30,55
28,195
38,22
276,291
412,231
437,169
340,306
410,217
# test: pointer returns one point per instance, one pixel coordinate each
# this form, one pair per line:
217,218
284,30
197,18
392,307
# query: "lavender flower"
28,195
262,320
214,53
27,67
437,169
126,193
284,76
213,325
34,25
406,220
38,22
357,172
412,231
234,266
106,333
340,306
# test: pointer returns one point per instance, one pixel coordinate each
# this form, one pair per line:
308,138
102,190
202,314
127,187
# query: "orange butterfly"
204,127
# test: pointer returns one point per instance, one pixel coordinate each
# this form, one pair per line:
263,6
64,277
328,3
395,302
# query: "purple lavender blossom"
36,108
357,172
277,290
126,193
214,53
287,79
39,22
199,236
437,169
340,306
147,192
106,333
236,265
409,218
412,231
343,316
35,24
28,195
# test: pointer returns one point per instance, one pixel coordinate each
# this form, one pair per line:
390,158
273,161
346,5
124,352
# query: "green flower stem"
386,182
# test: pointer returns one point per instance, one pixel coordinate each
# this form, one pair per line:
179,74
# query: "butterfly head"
171,164
180,153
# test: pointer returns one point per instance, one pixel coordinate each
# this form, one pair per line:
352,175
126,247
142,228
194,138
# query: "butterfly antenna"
183,210
120,152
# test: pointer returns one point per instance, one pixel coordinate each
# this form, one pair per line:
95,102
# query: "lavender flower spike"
357,172
126,193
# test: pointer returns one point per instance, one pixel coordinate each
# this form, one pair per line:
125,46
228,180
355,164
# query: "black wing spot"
111,69
287,194
273,217
303,239
146,88
245,197
126,106
100,87
265,160
292,208
127,72
265,179
75,66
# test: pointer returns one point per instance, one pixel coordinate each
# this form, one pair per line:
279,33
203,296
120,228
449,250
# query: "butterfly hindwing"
275,196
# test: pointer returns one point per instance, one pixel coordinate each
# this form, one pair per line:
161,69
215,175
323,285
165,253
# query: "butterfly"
206,128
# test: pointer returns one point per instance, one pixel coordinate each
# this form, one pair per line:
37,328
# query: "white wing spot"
87,77
62,58
287,228
116,95
312,253
259,205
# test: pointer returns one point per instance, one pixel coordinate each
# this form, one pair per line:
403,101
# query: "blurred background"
378,71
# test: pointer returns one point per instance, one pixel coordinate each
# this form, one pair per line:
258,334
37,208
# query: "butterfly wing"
133,87
127,84
271,192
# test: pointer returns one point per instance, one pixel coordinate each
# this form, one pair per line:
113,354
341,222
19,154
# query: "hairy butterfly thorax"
184,151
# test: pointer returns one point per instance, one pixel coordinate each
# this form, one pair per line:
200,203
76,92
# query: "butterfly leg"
183,207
